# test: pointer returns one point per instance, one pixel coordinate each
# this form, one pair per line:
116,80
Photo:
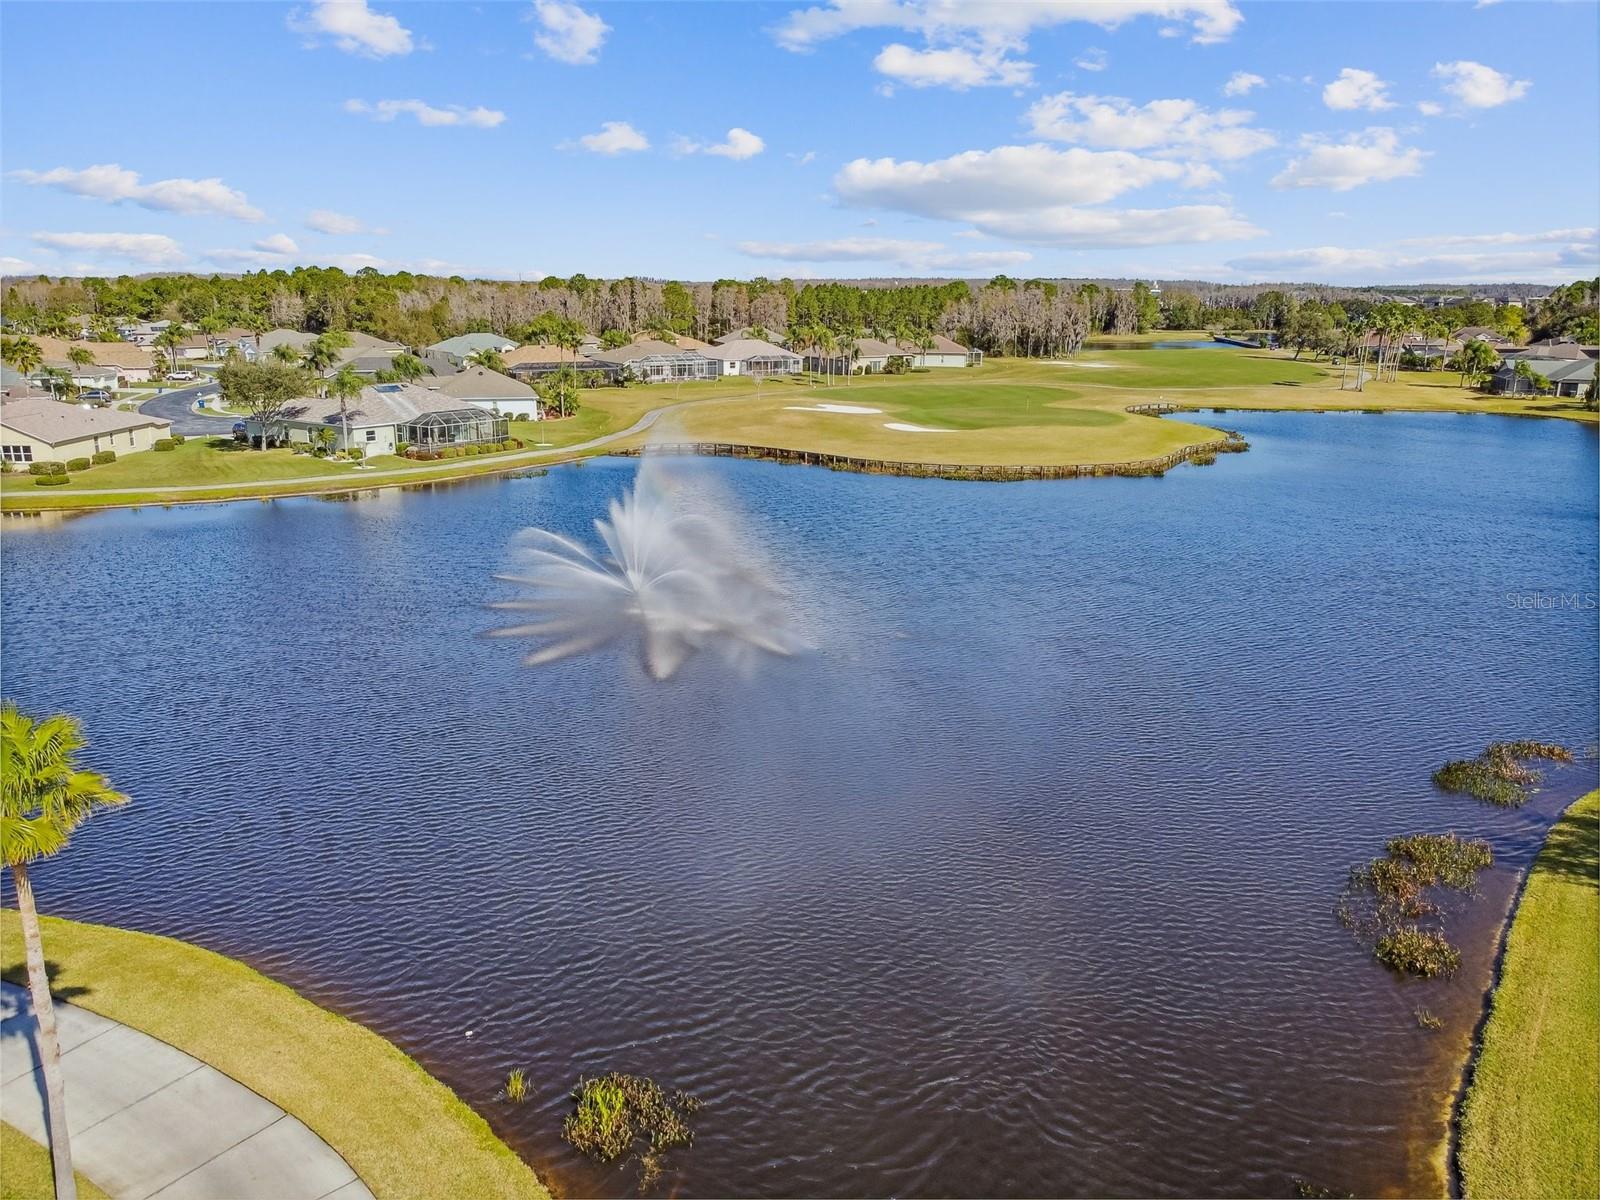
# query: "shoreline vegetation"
1098,409
406,1134
1529,1120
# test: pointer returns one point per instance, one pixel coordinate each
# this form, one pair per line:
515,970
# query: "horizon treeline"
1002,316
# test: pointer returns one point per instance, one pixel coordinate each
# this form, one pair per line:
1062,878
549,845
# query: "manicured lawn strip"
25,1170
404,1132
1531,1122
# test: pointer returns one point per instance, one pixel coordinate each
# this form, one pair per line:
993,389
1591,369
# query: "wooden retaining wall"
1206,451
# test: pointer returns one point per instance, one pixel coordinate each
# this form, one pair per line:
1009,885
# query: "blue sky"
1338,142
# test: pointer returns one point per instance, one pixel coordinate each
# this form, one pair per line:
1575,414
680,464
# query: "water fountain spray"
682,581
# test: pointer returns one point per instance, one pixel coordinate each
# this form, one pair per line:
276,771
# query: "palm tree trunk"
44,1015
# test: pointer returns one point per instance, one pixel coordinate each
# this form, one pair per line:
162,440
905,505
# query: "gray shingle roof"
480,383
470,343
53,423
648,348
742,348
380,404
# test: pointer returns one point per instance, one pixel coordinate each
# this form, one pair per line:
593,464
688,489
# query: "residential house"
385,416
1558,348
366,355
650,361
142,333
748,356
457,350
85,377
535,362
37,429
14,385
681,340
1482,333
126,362
1566,376
873,355
490,390
747,333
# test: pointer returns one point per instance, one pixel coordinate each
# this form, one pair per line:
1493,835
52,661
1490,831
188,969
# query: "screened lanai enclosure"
687,364
455,427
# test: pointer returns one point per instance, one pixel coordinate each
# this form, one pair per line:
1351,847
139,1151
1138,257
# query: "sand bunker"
904,428
1089,366
833,408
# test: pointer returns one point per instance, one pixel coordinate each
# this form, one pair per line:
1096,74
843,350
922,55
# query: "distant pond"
1195,344
1019,884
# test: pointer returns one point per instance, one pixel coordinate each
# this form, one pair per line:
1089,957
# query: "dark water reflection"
1019,886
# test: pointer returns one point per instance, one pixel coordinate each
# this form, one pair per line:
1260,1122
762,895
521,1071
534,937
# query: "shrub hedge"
47,468
102,457
78,464
165,443
52,480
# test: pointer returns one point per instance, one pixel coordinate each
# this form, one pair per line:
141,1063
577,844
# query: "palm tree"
79,357
22,353
346,385
286,354
323,353
58,378
170,338
408,367
255,324
211,326
492,359
44,796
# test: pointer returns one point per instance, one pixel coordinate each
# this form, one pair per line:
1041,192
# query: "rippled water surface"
1019,885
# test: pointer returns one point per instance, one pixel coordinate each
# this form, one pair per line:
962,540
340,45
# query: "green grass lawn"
25,1170
404,1132
1531,1123
1171,370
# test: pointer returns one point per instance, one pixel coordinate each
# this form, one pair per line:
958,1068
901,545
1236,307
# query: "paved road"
177,406
147,1120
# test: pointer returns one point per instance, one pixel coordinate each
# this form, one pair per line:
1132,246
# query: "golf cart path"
148,1120
357,478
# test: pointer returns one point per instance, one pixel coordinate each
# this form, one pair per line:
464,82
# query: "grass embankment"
25,1170
404,1132
1530,1125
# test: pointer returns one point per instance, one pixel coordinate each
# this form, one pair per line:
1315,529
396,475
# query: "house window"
17,453
372,435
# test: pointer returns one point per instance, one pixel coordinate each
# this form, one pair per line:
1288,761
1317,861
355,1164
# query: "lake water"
1196,344
1021,884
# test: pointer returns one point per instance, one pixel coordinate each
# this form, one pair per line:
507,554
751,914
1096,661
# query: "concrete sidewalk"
148,1120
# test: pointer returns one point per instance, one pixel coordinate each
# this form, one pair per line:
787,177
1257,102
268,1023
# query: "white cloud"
147,249
809,157
427,114
912,255
1428,108
274,251
954,67
1372,265
10,265
1356,88
996,22
1478,86
739,144
115,185
1034,193
614,137
1092,59
1241,82
1578,236
325,220
354,28
1168,127
1372,156
570,35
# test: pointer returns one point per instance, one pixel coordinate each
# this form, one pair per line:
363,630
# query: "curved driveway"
177,406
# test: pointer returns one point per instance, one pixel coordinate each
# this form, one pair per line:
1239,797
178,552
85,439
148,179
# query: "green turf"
1531,1123
405,1133
25,1170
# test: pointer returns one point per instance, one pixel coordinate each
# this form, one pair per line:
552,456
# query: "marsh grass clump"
1204,458
1413,951
1307,1190
1426,1019
1385,899
617,1114
516,1089
1500,775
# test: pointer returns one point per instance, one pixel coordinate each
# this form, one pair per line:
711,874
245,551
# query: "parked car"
95,396
181,376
